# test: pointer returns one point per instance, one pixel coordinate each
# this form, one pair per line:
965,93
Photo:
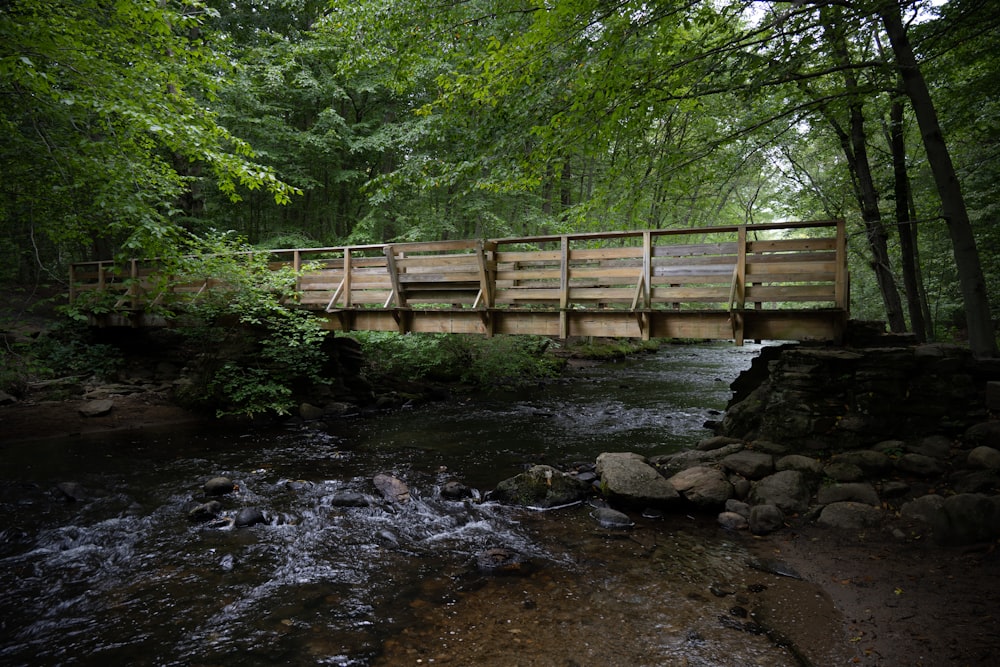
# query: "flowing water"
121,576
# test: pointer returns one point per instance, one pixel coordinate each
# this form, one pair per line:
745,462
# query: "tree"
982,338
102,107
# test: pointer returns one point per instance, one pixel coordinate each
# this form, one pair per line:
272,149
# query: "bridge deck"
779,281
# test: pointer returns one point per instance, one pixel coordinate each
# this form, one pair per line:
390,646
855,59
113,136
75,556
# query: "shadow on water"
121,576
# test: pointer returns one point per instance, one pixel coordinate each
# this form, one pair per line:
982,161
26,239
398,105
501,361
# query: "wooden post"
841,291
347,278
297,267
564,289
397,290
739,285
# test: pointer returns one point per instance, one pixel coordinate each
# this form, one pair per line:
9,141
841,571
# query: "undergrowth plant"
500,361
254,349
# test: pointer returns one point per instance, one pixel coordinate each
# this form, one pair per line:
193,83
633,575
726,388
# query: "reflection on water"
121,576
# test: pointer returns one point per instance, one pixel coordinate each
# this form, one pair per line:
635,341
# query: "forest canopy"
150,127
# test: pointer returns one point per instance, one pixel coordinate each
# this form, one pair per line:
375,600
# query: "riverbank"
904,603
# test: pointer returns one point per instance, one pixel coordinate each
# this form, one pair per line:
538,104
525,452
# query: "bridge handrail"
734,271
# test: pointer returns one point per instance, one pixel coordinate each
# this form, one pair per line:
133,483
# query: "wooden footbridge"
784,281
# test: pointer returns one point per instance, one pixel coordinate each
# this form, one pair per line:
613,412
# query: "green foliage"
254,349
67,350
488,363
106,124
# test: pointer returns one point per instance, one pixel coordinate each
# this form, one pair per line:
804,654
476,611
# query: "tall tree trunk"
904,223
970,272
855,145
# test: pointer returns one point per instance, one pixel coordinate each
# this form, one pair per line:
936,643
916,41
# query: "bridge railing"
730,269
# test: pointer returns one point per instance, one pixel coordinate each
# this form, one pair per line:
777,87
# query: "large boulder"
965,518
788,490
627,477
855,492
703,486
766,519
984,457
752,465
392,488
540,486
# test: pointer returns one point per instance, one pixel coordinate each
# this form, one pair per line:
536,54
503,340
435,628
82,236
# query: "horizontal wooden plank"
436,261
694,250
822,257
529,274
787,269
605,253
784,245
688,294
791,293
529,256
444,277
433,246
604,273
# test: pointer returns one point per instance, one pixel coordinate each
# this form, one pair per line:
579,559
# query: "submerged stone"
613,519
218,486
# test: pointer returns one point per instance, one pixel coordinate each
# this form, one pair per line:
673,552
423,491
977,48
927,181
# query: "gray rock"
788,490
855,492
454,490
738,507
849,515
752,465
733,521
219,486
766,519
703,486
871,462
717,442
613,519
96,408
804,464
741,486
673,463
6,399
540,486
392,488
983,433
843,472
961,519
769,447
205,511
923,510
894,489
977,481
972,517
920,465
249,516
501,560
628,477
71,491
984,457
934,446
310,412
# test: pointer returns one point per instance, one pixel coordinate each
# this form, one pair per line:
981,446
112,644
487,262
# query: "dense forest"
157,127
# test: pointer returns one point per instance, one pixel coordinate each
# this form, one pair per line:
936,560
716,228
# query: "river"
121,576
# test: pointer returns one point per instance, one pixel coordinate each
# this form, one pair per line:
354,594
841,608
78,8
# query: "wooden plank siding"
759,281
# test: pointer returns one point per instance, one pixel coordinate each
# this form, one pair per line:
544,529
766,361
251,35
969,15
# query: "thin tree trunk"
970,272
904,222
